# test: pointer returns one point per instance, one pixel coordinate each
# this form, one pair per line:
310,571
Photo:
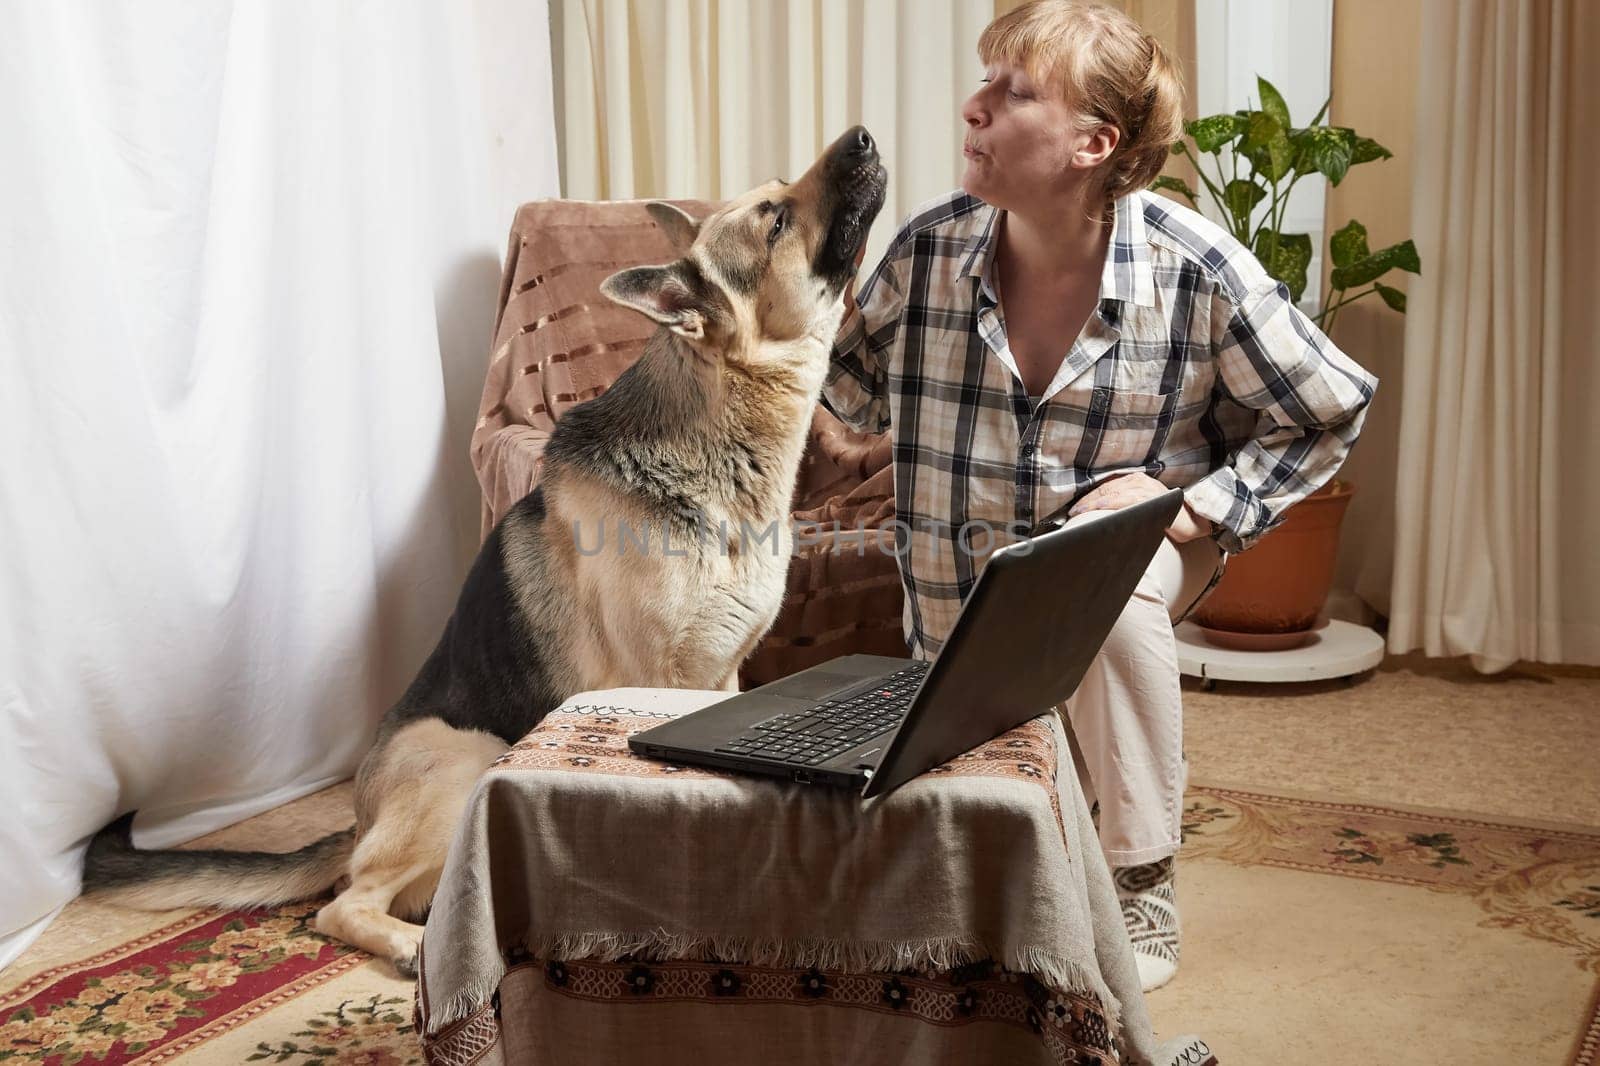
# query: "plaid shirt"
1197,369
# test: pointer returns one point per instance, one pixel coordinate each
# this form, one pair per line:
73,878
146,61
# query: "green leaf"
1178,148
1266,145
1349,244
1272,102
1393,297
1273,161
1212,133
1241,195
1366,150
1323,110
1260,129
1177,185
1286,257
1324,149
1374,266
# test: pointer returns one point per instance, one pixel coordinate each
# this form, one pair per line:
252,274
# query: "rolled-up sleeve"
1312,400
856,388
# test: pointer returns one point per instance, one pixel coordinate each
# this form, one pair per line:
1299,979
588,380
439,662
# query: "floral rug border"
15,996
256,1007
163,993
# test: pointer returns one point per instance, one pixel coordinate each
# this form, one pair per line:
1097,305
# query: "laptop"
1033,623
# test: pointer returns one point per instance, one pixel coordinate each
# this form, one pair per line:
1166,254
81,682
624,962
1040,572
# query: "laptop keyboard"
834,726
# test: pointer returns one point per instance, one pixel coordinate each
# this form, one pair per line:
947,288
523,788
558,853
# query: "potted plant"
1272,596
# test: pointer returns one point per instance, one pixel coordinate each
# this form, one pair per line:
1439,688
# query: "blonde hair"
1103,63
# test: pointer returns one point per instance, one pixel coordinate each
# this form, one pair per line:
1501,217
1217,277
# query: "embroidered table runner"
601,907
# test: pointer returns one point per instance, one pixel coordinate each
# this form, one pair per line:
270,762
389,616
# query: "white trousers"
1126,716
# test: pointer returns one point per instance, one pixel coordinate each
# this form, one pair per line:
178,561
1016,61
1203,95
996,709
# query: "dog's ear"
681,229
666,293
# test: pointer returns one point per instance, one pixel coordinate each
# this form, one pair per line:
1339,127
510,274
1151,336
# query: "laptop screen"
1033,623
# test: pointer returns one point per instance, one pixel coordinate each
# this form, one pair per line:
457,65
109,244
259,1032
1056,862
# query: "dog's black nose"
852,155
856,144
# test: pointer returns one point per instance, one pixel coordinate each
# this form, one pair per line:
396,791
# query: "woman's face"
1024,147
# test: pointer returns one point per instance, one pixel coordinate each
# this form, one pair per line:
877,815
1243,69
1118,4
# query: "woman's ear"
1095,145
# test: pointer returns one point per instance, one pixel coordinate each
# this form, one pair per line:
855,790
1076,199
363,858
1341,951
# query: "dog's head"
770,266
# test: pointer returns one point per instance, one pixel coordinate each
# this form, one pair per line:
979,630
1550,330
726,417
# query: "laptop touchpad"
812,686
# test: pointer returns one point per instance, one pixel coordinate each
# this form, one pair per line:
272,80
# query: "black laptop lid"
1033,623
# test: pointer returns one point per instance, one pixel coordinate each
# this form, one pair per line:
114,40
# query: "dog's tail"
117,871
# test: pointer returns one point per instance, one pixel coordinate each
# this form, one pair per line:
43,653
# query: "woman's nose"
972,112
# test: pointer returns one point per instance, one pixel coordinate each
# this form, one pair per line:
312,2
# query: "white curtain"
1498,502
701,98
247,281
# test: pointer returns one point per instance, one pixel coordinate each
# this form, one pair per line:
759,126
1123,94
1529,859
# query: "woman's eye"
1012,94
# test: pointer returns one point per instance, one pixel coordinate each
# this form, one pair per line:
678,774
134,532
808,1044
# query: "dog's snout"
854,182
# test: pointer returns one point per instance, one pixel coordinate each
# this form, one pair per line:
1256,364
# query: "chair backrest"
557,341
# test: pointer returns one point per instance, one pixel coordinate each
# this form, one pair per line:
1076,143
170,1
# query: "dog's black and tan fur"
704,432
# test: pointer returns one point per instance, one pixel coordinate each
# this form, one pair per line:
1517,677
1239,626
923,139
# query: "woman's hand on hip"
1129,489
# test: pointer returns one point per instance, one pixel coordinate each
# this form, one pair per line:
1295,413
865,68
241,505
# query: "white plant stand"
1336,649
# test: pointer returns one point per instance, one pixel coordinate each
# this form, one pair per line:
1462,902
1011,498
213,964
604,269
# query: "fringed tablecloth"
599,907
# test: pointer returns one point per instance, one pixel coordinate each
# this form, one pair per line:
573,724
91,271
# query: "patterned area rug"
1309,927
1391,935
215,988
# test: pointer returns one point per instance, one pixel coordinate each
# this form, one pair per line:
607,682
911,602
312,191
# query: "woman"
1055,339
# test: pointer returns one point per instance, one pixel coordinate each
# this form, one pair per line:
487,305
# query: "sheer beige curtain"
1498,499
701,98
705,98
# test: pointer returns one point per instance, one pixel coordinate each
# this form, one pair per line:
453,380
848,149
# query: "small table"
600,907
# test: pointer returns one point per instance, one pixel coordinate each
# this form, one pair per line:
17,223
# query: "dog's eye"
780,222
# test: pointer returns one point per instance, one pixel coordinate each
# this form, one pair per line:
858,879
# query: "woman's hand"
1129,489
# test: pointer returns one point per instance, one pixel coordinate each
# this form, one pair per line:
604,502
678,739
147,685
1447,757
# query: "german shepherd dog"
704,432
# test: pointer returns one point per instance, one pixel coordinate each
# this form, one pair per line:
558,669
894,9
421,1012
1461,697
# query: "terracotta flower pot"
1271,596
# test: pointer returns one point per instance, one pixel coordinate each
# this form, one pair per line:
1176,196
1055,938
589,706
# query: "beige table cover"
599,907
